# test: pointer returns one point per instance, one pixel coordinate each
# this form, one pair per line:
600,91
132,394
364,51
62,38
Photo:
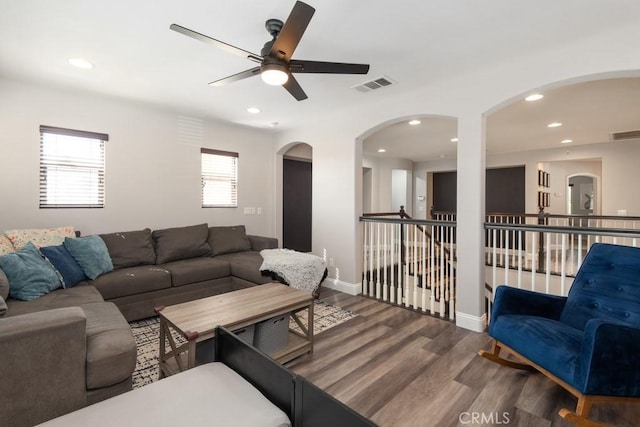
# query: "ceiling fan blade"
295,89
297,66
234,78
217,43
292,31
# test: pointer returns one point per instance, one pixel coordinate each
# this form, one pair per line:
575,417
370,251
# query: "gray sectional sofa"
180,264
73,347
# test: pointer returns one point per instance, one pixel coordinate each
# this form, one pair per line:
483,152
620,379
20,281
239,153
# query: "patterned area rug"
145,332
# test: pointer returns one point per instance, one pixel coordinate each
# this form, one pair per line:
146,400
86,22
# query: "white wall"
561,170
382,191
152,169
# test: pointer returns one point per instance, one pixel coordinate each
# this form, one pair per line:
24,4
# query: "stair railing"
409,262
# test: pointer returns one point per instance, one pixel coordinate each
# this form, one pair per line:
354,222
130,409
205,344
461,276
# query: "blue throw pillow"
30,275
66,265
91,254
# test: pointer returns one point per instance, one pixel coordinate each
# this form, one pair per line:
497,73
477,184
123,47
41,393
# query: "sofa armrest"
608,360
259,243
510,300
43,363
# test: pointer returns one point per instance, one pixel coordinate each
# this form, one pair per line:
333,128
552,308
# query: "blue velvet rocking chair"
587,342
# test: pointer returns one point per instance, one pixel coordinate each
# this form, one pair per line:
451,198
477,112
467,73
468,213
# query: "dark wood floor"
401,368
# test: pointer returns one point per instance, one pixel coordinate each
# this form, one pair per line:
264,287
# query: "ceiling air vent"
623,136
374,84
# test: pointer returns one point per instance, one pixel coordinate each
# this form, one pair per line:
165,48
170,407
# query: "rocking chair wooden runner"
587,342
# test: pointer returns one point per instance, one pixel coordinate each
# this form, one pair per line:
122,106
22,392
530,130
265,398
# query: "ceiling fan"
276,65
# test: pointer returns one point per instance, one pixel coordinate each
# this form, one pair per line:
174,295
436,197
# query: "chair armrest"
510,300
43,364
259,243
608,360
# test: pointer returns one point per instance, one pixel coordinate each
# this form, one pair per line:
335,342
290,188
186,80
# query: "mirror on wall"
581,195
399,188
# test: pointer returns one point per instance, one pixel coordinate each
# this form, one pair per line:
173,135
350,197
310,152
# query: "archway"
397,158
583,194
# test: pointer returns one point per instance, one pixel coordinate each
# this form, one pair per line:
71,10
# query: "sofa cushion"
66,265
30,275
224,240
4,285
132,280
91,254
556,348
73,297
111,349
5,245
246,265
39,236
130,248
196,270
173,244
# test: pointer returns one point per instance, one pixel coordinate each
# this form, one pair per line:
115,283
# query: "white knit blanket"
300,270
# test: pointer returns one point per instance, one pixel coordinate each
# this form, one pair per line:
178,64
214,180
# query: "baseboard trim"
473,323
339,285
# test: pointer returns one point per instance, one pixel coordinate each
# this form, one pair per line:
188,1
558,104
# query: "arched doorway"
582,194
297,184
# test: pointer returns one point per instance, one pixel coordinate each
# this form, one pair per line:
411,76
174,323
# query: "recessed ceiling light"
454,139
81,63
382,150
415,122
442,156
566,141
554,125
534,97
253,110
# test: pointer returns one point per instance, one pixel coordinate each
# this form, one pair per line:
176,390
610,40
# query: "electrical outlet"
331,264
259,211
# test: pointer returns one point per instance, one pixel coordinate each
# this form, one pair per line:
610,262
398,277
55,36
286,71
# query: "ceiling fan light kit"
274,74
276,66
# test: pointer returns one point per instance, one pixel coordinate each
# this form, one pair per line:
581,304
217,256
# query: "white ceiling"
137,57
589,113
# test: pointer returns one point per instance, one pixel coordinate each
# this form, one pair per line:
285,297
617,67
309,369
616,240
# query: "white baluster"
399,287
385,284
415,266
521,253
563,266
494,264
441,285
406,268
424,270
377,294
534,264
371,264
506,257
392,282
364,261
548,261
432,273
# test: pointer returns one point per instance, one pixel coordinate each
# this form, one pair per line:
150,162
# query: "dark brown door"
296,209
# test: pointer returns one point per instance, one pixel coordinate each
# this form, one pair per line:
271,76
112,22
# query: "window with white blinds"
219,178
71,168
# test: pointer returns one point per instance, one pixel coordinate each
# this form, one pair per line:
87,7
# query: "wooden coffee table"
196,320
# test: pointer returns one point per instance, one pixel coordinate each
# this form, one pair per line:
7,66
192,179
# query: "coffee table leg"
162,354
310,327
